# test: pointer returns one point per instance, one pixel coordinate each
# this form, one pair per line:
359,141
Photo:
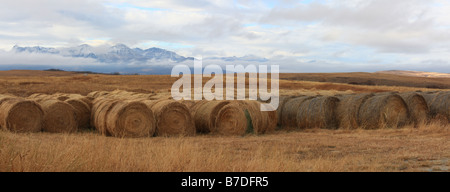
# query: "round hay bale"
20,115
383,111
99,114
440,106
130,119
290,112
417,106
348,109
172,118
318,112
231,120
259,120
205,115
59,117
82,111
283,100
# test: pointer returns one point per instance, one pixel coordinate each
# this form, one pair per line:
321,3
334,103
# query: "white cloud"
9,58
345,32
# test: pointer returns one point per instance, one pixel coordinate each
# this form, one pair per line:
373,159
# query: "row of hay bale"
232,117
300,112
368,111
372,111
128,114
141,118
64,113
171,118
56,113
120,115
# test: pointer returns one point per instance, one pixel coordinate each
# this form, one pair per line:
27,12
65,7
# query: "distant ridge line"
416,73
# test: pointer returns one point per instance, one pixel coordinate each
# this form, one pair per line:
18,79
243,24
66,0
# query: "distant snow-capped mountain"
80,51
35,49
115,54
106,59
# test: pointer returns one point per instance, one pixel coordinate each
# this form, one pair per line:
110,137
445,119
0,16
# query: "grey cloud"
9,58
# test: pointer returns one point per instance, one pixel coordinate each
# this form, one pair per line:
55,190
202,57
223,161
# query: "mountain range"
115,54
122,53
117,58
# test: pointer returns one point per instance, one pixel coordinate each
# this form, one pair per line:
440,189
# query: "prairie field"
425,147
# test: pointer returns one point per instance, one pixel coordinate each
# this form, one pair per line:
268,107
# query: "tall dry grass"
409,149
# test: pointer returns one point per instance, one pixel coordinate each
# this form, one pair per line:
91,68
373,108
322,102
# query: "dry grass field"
425,148
389,78
409,149
25,83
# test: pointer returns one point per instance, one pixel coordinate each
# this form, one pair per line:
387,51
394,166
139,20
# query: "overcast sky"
304,35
